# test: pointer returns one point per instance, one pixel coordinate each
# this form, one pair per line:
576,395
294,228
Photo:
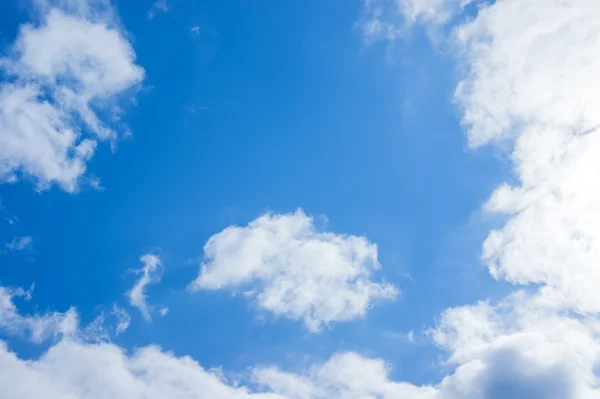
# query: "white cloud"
158,7
163,311
194,31
151,273
20,243
37,327
72,370
61,71
529,84
123,319
292,270
530,81
517,349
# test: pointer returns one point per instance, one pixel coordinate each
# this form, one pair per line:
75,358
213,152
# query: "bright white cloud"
529,85
292,270
20,243
61,71
71,369
150,273
530,81
517,349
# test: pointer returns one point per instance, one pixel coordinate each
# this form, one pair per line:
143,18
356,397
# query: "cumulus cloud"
151,273
519,348
61,73
529,87
293,270
529,83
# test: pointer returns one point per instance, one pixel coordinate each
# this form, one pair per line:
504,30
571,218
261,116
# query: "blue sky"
222,112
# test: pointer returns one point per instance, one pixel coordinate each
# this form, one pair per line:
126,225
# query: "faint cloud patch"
159,6
20,244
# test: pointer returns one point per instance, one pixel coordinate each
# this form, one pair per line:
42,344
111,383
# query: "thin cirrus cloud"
150,274
61,71
393,19
159,6
292,270
20,243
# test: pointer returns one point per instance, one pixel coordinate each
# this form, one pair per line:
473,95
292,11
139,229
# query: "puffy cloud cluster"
529,81
529,87
61,73
295,271
519,349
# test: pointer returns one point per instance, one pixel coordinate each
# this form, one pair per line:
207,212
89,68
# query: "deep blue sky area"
268,108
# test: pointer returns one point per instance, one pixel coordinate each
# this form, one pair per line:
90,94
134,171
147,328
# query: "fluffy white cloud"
529,86
292,270
517,349
520,348
151,273
530,81
60,72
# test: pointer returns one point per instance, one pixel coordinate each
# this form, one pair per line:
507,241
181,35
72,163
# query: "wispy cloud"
194,31
20,243
159,6
151,273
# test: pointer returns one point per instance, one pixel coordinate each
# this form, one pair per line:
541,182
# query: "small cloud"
196,109
20,243
194,31
123,319
151,273
158,7
163,311
407,337
96,185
